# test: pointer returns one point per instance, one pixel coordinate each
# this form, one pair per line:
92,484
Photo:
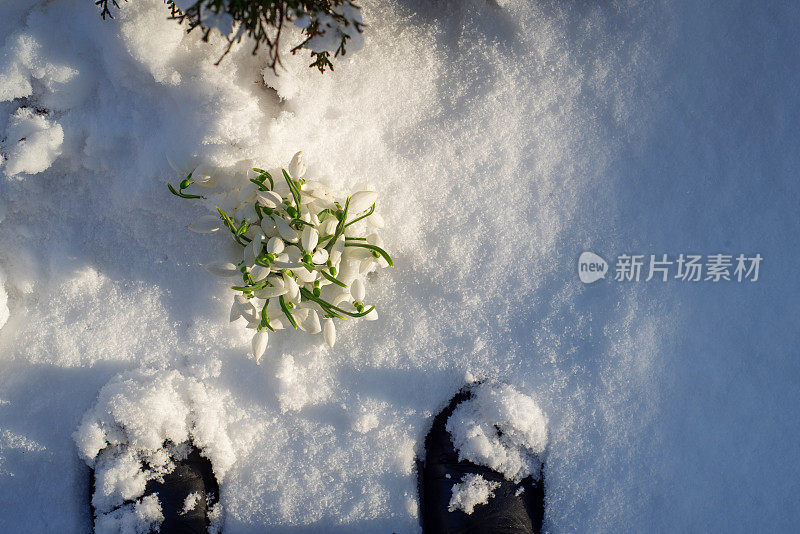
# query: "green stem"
328,306
367,214
339,227
292,188
332,279
287,312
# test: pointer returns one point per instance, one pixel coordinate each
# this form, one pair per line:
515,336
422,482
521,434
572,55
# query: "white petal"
294,254
291,285
357,290
329,332
297,168
222,268
258,273
320,256
375,239
270,292
329,226
336,250
253,248
372,316
246,308
348,271
309,322
246,211
268,227
361,201
357,253
368,265
247,254
236,312
275,245
270,199
260,343
305,275
341,298
285,231
376,220
205,224
310,238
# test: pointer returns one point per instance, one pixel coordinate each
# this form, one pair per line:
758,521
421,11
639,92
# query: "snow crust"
500,428
504,138
472,491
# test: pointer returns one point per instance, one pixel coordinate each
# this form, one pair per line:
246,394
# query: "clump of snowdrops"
305,254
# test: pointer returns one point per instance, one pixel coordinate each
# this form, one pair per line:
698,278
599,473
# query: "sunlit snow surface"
505,138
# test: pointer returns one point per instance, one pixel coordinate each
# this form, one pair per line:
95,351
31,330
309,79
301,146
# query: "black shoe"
510,511
192,475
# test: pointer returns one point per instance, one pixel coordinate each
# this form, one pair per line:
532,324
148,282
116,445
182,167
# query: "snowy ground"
505,138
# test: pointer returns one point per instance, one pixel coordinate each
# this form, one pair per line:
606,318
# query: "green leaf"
181,193
268,176
379,250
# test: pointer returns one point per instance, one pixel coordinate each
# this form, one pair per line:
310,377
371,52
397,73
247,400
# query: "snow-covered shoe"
182,499
459,496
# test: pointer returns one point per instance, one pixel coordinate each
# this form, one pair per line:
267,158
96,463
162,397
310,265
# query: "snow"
504,139
472,491
190,502
500,428
33,143
141,517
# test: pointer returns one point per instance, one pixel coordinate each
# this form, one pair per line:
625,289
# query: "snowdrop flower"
268,227
357,290
376,220
259,272
320,256
205,224
297,168
293,289
308,320
260,344
270,199
361,201
304,275
275,245
242,307
336,251
285,231
310,238
329,332
222,268
252,250
276,288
